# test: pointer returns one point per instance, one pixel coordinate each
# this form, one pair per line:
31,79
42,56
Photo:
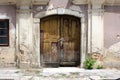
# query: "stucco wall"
7,54
112,36
111,25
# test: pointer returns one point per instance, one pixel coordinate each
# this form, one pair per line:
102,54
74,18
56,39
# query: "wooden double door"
60,41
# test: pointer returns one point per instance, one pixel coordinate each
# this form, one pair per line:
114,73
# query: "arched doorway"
60,39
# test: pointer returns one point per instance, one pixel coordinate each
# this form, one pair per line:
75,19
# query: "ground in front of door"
61,73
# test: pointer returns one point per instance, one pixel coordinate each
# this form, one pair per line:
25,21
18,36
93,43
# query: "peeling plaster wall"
112,36
7,54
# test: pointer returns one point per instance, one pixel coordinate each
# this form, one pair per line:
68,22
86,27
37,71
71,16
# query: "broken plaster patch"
115,49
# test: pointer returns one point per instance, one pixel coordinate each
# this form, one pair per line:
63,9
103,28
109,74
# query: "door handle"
60,42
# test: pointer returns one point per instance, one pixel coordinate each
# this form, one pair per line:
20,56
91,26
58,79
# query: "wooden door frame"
62,11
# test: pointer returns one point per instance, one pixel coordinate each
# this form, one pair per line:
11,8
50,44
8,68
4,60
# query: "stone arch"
59,11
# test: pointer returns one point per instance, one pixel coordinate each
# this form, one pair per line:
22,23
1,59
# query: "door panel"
60,40
71,35
49,50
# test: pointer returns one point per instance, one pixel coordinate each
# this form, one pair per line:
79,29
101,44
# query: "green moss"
89,63
99,67
17,72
